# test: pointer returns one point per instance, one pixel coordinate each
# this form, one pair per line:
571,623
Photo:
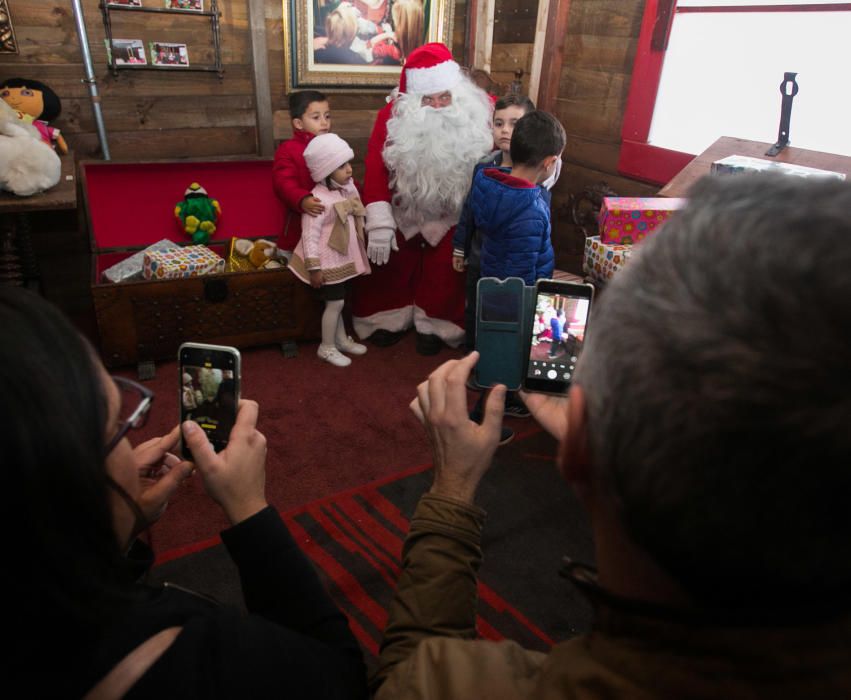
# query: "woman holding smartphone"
78,493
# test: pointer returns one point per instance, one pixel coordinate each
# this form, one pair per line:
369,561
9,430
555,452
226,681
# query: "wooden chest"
129,206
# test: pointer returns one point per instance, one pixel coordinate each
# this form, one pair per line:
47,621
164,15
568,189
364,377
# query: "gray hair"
717,372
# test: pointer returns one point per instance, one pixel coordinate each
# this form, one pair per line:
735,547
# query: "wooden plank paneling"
345,123
197,142
592,101
613,18
515,21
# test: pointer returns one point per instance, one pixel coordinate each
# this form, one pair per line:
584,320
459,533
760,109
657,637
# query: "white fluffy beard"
430,154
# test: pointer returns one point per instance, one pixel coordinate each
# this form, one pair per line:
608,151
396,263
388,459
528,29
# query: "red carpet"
328,428
354,539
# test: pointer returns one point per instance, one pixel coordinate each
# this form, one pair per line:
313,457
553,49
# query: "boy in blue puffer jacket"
509,208
466,241
511,212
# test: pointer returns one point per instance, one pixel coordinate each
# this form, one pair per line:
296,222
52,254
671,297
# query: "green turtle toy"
197,214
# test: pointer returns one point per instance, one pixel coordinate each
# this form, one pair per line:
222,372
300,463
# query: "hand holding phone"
209,390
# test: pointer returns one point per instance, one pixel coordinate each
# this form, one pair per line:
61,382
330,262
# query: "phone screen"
209,390
558,334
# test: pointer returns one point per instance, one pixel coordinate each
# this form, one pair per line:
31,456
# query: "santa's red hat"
429,69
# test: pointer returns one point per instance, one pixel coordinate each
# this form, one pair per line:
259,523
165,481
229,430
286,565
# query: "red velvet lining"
131,205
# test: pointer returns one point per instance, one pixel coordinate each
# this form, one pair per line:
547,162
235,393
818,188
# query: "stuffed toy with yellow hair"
197,214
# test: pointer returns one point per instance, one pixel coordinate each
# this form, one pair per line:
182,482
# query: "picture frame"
169,55
184,5
8,42
127,52
125,3
345,45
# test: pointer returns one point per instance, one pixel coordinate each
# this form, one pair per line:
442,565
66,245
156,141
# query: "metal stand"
788,88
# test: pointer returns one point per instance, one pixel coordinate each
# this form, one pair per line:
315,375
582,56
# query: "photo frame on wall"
8,43
357,44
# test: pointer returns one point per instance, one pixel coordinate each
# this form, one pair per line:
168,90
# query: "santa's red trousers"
416,287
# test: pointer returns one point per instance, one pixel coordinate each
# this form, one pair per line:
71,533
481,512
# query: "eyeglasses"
444,99
135,403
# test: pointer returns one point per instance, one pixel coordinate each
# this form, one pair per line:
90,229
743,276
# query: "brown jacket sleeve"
428,649
436,592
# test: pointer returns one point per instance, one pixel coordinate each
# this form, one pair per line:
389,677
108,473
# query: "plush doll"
36,104
27,164
197,214
261,253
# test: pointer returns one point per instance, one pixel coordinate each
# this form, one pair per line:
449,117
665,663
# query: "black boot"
384,339
428,344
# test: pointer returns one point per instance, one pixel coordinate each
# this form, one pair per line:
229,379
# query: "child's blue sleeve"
464,227
546,255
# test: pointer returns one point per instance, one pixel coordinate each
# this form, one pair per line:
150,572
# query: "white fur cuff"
379,215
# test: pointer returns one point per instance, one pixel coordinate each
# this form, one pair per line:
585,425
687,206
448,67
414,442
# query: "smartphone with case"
501,321
209,379
554,343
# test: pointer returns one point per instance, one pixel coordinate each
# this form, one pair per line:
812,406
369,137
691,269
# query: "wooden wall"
513,36
599,53
148,114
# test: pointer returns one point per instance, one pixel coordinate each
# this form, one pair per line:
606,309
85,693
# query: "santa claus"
419,163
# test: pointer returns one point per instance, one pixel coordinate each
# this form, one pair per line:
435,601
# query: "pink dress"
339,256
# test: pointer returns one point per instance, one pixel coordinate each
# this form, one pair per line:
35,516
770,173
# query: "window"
706,69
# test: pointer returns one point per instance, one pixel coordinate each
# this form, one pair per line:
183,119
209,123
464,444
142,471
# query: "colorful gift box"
626,220
746,164
132,268
602,260
177,263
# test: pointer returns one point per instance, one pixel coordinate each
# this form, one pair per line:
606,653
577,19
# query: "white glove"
380,242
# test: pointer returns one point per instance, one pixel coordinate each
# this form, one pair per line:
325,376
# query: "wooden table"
18,263
729,146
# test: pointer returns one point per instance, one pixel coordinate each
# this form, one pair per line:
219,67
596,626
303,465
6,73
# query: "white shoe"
350,346
329,353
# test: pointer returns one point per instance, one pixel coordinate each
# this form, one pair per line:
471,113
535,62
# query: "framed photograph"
127,52
126,3
8,43
357,44
172,55
188,5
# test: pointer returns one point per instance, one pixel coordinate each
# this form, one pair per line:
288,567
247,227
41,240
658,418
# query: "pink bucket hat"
325,153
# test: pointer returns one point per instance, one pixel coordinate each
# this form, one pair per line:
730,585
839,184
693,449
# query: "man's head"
717,397
434,143
310,112
537,142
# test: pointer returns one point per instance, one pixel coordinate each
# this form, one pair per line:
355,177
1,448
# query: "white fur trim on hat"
427,81
324,154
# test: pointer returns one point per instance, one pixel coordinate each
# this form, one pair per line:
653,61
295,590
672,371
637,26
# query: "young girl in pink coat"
331,250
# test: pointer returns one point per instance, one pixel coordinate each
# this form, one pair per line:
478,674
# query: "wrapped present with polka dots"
628,220
177,263
602,260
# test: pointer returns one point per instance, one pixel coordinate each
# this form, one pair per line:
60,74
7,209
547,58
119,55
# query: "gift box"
602,260
178,263
625,220
746,164
132,268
